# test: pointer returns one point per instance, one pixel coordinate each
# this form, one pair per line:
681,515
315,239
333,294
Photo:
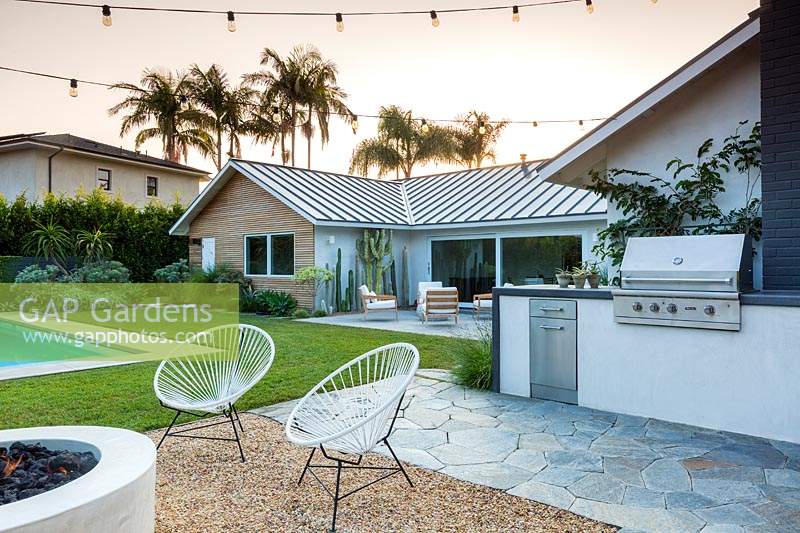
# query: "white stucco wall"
745,382
711,107
26,170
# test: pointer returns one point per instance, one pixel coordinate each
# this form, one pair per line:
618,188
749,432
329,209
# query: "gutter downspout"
50,169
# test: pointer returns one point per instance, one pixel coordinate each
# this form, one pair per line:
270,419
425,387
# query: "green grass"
123,396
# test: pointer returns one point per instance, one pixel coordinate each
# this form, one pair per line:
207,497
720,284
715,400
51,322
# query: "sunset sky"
558,62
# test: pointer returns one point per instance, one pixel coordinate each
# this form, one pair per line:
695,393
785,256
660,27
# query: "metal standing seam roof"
500,193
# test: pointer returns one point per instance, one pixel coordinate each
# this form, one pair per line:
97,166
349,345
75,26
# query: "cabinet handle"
551,327
557,309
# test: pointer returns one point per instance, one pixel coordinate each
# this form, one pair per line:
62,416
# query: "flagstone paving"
637,473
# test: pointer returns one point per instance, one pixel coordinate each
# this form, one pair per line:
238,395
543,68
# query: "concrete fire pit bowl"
116,495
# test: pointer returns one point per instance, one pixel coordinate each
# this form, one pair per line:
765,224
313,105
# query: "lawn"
123,396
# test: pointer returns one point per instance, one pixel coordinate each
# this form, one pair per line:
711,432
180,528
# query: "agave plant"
50,242
94,245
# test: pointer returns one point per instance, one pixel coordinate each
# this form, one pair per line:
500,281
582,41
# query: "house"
473,229
648,356
35,164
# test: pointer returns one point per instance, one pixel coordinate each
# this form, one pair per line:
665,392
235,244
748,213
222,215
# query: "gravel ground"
202,486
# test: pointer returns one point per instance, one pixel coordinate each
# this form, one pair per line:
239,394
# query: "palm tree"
161,98
263,127
226,108
401,143
324,97
476,138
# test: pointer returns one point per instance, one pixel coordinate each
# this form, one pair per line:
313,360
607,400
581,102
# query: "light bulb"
515,13
434,19
276,114
580,124
73,88
535,124
106,15
654,1
231,22
183,99
425,127
339,23
589,7
355,125
481,127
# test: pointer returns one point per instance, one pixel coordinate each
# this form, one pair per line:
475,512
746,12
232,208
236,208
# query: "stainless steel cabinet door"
554,349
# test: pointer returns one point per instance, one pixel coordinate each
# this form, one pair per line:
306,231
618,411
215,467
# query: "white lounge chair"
377,302
233,359
440,303
352,410
422,290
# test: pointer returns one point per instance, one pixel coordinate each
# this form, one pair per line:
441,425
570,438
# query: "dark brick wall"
780,118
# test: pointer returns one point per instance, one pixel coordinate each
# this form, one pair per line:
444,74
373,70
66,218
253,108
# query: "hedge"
140,239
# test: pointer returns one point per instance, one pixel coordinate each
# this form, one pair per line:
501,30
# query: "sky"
557,63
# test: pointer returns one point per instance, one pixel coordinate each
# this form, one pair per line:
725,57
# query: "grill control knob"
709,310
654,307
672,308
637,306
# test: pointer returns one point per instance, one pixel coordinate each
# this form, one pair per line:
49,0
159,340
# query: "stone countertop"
773,298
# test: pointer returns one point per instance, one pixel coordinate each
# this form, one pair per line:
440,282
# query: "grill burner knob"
709,310
672,308
637,306
654,307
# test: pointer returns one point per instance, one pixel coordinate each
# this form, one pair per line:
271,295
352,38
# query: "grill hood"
709,263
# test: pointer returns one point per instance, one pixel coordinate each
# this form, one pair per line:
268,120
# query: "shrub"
301,313
99,272
177,272
37,274
220,274
473,359
320,313
248,300
275,303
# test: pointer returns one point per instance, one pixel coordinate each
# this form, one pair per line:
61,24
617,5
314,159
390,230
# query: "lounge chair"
422,289
233,359
441,303
352,411
483,302
377,302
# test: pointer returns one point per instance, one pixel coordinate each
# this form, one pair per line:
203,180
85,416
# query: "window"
104,179
152,186
534,260
269,255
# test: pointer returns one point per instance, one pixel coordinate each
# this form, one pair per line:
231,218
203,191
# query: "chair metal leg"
396,460
237,418
299,481
164,436
235,433
336,494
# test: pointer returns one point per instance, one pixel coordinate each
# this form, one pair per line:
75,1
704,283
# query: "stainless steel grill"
686,281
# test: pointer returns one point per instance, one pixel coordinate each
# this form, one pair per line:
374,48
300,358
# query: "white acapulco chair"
232,359
351,411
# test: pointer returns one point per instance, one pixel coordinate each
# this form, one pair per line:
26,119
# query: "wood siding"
243,208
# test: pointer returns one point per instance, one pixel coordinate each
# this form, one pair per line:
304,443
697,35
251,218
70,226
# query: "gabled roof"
587,146
494,195
82,144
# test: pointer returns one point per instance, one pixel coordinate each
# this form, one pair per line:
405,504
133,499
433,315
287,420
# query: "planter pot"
563,281
594,280
580,281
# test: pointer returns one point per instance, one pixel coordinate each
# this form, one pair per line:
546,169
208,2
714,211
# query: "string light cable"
338,16
276,111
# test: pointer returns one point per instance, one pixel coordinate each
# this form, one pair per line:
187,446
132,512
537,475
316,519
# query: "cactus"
373,250
393,278
337,281
404,288
351,290
356,284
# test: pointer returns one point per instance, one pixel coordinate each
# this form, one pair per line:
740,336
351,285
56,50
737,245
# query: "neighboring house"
473,229
706,98
35,164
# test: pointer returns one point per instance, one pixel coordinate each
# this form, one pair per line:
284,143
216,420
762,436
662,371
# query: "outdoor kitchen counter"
741,381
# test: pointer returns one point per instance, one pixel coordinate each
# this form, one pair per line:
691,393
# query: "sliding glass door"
534,260
467,264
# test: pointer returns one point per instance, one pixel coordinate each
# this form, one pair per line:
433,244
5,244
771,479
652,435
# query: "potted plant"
592,274
563,277
579,277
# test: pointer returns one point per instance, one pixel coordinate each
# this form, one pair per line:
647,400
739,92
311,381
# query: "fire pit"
76,478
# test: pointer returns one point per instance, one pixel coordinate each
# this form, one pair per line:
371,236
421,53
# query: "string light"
231,22
355,125
481,127
589,7
425,127
339,23
535,123
654,2
183,99
276,114
73,88
106,10
581,125
434,19
515,13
